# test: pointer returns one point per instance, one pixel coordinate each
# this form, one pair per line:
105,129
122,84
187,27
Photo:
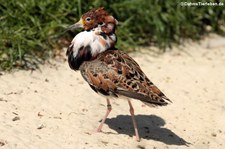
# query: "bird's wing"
115,73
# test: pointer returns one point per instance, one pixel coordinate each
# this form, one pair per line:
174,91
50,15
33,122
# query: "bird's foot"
98,130
138,139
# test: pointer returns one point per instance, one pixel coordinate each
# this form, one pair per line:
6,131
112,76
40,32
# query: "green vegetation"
31,30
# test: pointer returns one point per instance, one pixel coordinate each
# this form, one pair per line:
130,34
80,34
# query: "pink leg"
133,120
109,108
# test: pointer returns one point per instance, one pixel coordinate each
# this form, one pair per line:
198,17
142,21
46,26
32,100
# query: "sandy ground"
54,107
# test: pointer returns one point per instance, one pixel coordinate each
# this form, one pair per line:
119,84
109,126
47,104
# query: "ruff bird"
106,69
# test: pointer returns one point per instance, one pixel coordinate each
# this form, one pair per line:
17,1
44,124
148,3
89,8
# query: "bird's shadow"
149,127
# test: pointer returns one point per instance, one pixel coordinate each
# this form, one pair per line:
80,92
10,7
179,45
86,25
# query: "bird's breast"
87,45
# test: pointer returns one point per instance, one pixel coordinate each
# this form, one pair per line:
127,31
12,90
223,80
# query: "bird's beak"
79,24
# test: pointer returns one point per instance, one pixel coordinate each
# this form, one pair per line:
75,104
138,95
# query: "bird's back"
114,73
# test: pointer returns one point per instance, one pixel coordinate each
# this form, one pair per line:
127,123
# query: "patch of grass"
30,30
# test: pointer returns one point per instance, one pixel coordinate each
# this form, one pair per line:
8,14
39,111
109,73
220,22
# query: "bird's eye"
88,19
101,23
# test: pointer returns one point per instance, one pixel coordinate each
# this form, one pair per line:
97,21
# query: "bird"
109,71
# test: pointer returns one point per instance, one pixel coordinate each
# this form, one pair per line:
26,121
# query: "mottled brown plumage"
107,70
115,73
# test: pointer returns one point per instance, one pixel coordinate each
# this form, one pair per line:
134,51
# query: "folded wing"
114,73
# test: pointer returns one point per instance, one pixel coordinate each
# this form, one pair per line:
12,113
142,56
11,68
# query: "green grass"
31,30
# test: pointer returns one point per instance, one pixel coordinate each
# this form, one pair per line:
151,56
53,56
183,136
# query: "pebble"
2,142
40,126
213,134
16,118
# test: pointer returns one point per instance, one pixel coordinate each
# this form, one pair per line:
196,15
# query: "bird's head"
94,18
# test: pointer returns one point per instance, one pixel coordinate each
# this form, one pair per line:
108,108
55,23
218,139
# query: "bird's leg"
109,108
133,120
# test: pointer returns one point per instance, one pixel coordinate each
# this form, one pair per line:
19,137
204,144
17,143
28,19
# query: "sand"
53,107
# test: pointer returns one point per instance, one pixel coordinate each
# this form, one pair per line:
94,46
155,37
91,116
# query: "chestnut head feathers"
97,18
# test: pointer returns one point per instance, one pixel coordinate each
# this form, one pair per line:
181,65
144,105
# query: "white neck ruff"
96,39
